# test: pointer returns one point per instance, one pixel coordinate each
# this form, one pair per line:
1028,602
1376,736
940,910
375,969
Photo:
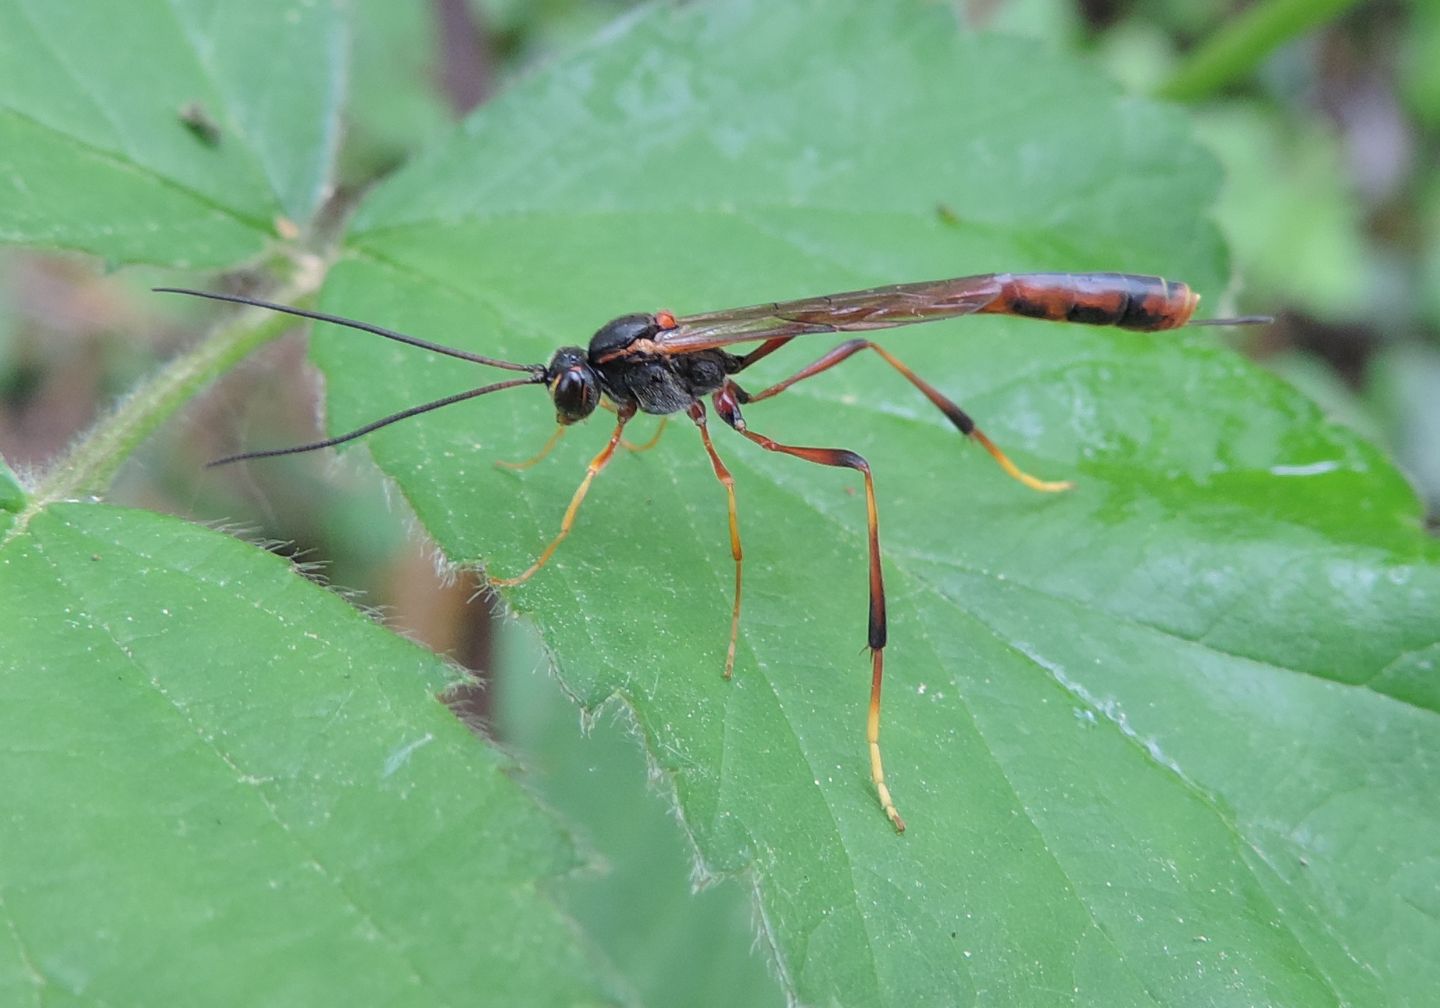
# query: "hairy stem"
87,469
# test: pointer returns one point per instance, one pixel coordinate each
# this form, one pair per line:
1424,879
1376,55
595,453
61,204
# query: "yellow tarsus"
1015,472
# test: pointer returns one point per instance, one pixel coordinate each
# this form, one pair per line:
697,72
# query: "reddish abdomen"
1144,303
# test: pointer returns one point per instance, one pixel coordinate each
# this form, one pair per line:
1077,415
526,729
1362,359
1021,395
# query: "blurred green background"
1331,206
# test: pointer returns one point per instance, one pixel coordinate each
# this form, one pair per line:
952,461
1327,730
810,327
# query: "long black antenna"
377,424
349,323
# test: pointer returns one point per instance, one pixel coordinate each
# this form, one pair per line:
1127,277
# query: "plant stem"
1238,47
87,469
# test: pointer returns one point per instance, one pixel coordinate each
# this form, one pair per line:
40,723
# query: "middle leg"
697,413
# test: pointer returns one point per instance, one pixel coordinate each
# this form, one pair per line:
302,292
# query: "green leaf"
398,102
1305,241
165,132
12,493
219,775
1239,46
1162,738
678,939
215,772
1400,384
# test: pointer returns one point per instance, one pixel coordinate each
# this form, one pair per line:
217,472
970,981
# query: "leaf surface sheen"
95,151
1165,739
222,783
242,787
1161,739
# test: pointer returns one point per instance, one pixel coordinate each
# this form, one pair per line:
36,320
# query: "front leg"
596,466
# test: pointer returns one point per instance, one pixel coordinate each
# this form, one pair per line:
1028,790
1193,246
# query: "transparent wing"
854,311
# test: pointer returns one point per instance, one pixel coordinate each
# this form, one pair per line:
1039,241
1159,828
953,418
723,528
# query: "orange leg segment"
596,466
697,413
654,439
538,456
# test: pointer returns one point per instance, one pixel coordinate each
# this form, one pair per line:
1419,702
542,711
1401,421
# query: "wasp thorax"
619,333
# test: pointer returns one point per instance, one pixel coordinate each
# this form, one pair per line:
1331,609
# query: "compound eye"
576,394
